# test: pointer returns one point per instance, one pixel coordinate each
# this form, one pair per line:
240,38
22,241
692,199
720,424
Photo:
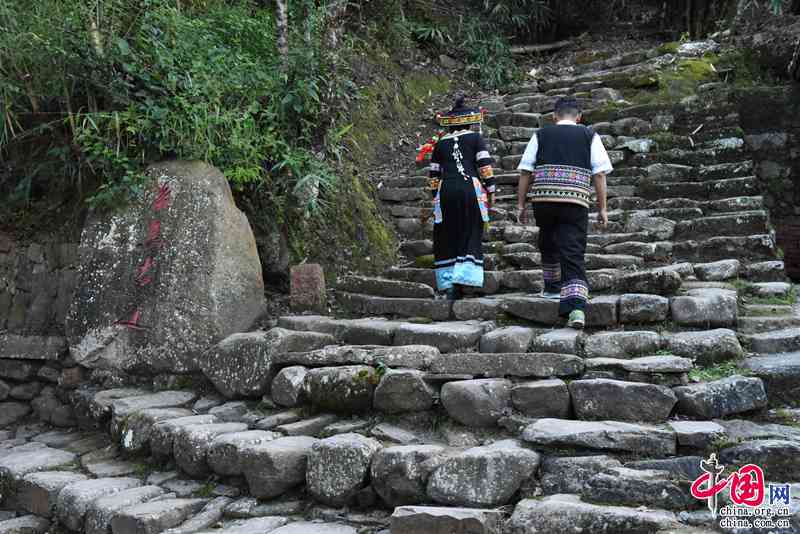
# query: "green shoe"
577,319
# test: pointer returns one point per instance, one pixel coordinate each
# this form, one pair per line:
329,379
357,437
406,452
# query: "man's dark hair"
567,106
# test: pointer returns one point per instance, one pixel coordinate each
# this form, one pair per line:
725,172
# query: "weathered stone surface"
155,516
277,466
257,525
400,474
403,391
776,341
138,427
728,396
225,452
560,341
542,398
27,524
697,434
706,347
18,370
122,408
211,514
242,365
602,435
11,412
75,499
602,399
250,507
780,374
110,468
395,434
565,513
483,476
664,281
569,474
435,520
14,346
31,458
705,308
163,433
621,344
739,430
631,487
643,308
288,387
477,402
208,262
338,467
37,493
540,365
347,389
304,527
778,458
384,288
313,426
307,287
447,337
100,512
718,270
658,364
509,339
192,443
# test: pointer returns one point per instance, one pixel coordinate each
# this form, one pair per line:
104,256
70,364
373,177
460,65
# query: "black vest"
563,170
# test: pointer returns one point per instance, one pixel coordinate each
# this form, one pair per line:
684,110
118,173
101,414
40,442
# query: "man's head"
567,108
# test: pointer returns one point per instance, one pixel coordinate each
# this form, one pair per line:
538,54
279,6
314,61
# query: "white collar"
567,121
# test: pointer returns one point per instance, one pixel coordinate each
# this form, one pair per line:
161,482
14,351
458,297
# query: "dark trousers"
562,243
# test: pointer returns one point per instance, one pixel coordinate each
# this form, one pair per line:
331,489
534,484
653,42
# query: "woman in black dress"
463,187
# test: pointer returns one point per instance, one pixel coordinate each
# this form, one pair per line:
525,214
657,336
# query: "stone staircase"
409,414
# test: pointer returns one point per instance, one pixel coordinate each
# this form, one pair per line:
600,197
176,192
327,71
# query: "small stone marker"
308,288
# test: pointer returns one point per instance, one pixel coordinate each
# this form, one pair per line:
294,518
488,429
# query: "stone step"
382,287
746,248
712,190
562,513
787,340
756,325
781,376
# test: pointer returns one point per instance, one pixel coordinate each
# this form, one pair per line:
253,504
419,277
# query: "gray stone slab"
539,365
75,499
37,493
277,466
100,512
192,443
439,520
27,524
155,516
483,476
224,455
602,435
211,514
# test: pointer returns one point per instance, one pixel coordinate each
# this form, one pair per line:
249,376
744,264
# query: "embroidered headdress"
460,115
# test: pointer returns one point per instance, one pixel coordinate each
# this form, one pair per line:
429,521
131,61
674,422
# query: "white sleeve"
528,162
600,160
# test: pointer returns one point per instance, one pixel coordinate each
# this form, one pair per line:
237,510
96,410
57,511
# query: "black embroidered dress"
461,168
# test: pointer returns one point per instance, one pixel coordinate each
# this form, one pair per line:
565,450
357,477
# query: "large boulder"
483,476
242,365
167,276
338,467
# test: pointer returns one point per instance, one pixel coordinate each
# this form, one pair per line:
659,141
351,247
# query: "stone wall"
770,117
37,281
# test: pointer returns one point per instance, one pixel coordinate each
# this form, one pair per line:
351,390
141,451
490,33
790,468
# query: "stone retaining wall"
37,281
770,117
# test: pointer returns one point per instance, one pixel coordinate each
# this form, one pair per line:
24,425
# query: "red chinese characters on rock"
145,273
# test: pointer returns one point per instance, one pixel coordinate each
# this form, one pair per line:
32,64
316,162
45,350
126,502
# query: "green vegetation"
142,470
675,82
206,490
746,292
722,370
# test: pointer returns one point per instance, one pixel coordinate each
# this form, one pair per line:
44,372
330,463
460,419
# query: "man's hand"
522,215
603,217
